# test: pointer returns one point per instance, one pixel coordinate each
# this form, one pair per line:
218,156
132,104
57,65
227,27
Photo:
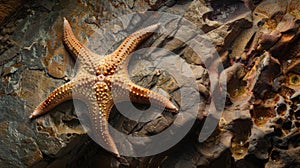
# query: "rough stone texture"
258,42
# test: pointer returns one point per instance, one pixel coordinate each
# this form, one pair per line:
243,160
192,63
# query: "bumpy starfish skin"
102,81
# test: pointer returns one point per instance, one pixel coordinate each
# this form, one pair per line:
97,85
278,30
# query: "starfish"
102,81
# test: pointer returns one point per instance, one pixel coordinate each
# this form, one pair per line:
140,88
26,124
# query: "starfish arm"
122,53
100,105
77,49
59,95
98,125
124,89
145,96
96,95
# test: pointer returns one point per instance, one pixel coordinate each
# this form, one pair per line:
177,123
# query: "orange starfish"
96,77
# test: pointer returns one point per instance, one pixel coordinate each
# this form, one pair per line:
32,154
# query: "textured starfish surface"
102,81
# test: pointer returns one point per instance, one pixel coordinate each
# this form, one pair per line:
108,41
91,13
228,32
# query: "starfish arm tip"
34,114
153,28
66,22
116,153
171,106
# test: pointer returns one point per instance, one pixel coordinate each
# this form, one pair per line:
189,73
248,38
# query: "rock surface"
258,44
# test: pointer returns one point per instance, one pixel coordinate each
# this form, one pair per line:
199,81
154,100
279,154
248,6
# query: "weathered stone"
18,145
259,126
7,8
24,151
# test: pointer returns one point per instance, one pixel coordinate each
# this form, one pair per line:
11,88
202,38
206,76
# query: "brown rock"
259,126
